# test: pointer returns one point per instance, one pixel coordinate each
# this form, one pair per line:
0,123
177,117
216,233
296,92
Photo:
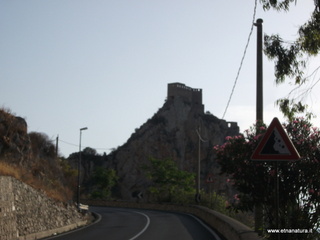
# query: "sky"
105,64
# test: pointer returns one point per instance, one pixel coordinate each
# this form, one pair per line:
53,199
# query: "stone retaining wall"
229,228
8,218
26,213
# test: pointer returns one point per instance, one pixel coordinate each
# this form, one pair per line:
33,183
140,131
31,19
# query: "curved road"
131,224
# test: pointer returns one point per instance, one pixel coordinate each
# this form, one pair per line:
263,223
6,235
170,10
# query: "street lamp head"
85,128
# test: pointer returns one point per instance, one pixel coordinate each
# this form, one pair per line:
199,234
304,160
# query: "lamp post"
79,167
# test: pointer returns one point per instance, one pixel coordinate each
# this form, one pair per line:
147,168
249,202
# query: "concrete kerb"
228,227
58,232
52,232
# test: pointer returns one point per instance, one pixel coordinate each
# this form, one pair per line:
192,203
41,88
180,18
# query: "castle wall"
192,95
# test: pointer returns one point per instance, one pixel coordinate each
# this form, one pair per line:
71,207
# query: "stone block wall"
8,218
25,212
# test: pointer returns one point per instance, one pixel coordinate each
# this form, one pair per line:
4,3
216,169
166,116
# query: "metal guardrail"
84,207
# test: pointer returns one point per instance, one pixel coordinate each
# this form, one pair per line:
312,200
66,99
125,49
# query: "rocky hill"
14,139
173,132
179,131
32,158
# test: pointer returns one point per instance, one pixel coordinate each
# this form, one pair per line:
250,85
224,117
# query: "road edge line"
145,227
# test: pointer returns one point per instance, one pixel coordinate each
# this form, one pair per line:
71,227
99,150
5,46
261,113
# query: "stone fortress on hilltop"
171,133
188,94
193,95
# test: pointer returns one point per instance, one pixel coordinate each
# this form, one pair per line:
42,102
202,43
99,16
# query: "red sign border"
294,155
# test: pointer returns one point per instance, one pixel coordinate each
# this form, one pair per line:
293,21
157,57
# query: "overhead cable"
242,59
76,145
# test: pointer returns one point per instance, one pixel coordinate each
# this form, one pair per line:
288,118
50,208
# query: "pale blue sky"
105,65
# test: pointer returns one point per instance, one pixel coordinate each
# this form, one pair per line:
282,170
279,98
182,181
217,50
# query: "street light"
79,167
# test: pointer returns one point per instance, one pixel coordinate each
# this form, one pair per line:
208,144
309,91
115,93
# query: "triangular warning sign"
209,179
275,145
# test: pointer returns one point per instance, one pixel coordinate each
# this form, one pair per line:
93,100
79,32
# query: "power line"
242,59
76,145
72,144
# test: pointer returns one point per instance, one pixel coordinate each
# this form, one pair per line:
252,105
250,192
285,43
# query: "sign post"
210,181
275,145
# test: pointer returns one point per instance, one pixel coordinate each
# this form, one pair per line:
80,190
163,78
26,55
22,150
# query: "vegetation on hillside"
171,185
97,181
168,182
103,180
31,158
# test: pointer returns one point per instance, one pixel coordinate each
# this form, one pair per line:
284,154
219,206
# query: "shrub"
167,180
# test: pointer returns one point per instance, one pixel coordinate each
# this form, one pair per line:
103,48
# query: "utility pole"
198,195
259,106
198,168
57,141
259,110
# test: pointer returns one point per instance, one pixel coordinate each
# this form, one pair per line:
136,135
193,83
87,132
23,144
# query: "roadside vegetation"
52,189
32,159
170,185
296,204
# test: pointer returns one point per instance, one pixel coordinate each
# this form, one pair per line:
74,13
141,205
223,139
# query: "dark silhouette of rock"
173,132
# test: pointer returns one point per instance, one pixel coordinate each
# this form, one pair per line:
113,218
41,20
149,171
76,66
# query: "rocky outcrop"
32,157
173,132
14,139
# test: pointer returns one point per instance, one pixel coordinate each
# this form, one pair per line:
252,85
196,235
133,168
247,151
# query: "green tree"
299,181
103,180
89,151
168,181
291,56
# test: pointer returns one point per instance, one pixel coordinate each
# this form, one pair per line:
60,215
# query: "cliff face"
173,133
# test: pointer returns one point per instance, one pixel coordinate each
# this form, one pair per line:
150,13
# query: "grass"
52,189
8,170
40,168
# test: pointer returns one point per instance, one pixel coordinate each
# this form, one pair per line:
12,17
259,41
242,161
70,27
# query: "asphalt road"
131,224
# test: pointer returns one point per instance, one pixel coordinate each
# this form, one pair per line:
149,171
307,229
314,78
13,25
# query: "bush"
103,182
168,181
299,182
42,146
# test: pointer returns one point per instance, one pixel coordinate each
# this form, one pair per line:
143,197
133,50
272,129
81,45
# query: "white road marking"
145,227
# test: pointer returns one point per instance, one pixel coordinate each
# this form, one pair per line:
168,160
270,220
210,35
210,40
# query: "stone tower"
188,94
